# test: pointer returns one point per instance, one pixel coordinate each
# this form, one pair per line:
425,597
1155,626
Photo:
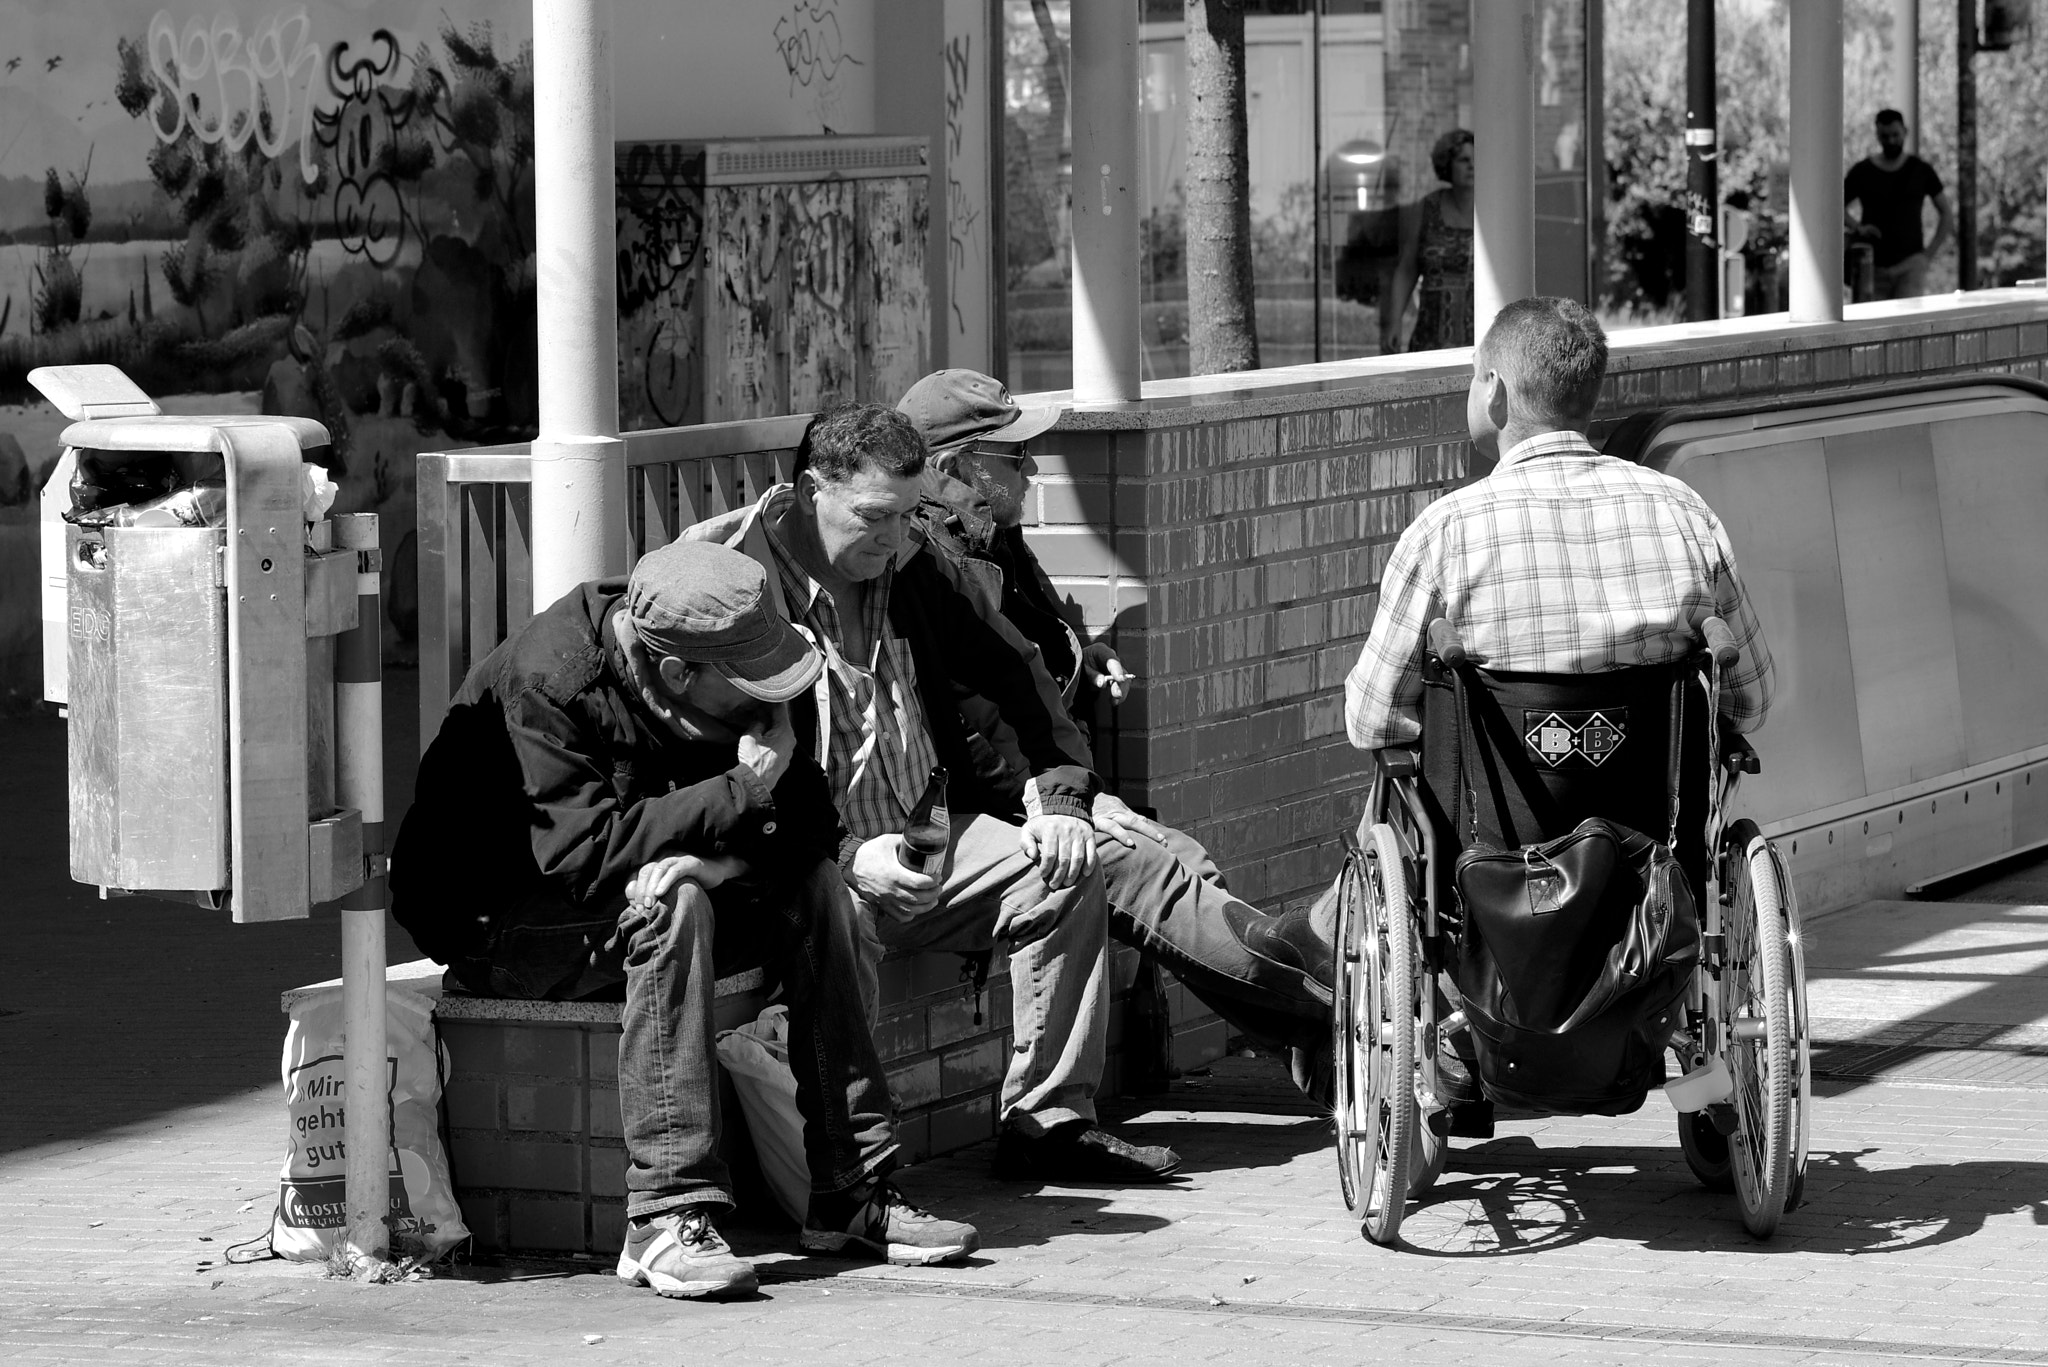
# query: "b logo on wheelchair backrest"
1579,739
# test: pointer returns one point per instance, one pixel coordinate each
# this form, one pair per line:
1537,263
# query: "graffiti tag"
963,211
811,44
660,223
253,92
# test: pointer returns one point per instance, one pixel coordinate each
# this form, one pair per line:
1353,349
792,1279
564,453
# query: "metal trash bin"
198,669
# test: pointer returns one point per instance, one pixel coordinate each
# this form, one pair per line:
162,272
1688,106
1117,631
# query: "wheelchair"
1495,765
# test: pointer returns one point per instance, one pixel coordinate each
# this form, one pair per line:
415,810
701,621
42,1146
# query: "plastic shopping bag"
756,1055
312,1206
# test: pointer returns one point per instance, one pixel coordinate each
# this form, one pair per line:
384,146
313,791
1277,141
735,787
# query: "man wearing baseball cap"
613,806
1265,975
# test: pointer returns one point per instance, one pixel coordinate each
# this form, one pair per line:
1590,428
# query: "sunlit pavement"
141,1133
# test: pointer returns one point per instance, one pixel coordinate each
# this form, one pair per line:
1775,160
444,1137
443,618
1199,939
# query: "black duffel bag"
1575,955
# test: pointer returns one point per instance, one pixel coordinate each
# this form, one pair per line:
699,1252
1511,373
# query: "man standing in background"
1890,188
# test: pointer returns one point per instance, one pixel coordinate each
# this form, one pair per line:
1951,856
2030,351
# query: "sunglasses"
1001,450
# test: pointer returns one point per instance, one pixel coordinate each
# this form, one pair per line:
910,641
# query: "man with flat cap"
1267,975
614,802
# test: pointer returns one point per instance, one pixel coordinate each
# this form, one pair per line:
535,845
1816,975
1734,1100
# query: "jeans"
1170,900
1905,279
802,930
1059,970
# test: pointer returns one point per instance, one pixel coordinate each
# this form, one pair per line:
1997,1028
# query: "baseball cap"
709,604
955,406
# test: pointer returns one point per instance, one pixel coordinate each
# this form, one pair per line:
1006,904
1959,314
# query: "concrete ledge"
424,976
1375,379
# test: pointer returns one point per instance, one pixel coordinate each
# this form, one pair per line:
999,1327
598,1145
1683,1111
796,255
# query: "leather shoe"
1289,947
1080,1152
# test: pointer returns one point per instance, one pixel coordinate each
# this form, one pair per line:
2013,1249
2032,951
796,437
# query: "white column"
579,470
1105,114
1816,245
1503,118
1906,67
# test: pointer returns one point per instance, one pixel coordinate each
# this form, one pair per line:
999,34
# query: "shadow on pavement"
1508,1198
112,1012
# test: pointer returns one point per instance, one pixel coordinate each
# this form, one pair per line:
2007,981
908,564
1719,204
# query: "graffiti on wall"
751,299
312,209
813,45
966,223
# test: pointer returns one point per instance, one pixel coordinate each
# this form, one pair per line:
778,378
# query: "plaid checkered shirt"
880,751
1562,561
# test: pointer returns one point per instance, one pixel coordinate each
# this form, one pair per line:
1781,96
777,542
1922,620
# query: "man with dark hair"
1265,975
1890,188
898,636
1559,561
614,802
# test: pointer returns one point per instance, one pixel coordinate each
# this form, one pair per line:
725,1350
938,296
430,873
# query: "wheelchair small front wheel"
1374,1027
1758,1029
1706,1151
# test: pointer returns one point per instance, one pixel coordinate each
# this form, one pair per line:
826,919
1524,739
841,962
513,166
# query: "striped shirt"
879,751
1562,561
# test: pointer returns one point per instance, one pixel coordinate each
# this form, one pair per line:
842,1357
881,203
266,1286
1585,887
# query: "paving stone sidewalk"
140,1134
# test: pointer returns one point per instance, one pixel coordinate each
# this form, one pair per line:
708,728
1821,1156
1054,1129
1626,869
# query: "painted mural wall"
325,208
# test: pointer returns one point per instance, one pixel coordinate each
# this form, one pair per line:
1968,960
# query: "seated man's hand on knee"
881,878
1114,818
1063,847
657,880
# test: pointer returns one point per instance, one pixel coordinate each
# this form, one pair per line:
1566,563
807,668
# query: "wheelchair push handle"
1721,641
1445,643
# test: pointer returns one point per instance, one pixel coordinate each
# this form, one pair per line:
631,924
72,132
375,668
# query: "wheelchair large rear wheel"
1757,1020
1374,1044
1802,1035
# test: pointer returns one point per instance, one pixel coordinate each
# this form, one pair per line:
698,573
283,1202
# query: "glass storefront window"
1346,101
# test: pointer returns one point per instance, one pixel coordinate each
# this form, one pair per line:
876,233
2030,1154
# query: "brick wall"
1228,535
533,1103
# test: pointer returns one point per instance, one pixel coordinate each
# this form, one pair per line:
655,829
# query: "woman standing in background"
1436,248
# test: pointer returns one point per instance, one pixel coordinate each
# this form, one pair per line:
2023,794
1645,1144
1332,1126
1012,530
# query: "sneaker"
1080,1152
681,1254
882,1222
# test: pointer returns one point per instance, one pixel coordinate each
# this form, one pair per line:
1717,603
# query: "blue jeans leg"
1169,898
668,1091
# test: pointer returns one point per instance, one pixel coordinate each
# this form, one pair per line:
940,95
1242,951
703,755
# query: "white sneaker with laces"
680,1253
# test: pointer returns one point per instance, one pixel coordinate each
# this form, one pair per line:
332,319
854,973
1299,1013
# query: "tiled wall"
1231,547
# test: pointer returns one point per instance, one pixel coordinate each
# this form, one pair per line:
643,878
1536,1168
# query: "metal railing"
476,528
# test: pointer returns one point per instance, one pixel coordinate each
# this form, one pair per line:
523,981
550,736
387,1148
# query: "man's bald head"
1553,355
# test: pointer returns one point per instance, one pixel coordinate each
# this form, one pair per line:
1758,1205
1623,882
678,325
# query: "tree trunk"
1222,330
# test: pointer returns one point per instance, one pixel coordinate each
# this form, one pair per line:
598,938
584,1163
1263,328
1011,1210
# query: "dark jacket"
951,642
955,522
549,783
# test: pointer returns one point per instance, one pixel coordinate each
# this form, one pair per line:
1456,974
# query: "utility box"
198,659
764,276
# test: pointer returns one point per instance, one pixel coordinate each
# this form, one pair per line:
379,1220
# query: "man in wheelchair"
1538,659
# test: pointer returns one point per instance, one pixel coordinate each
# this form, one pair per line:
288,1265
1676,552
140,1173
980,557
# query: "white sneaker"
681,1254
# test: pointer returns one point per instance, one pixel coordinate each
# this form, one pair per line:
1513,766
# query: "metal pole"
1702,176
579,470
359,783
1503,119
1966,144
1906,67
1105,189
1319,174
1816,237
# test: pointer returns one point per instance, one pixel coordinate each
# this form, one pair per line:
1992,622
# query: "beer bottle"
930,826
